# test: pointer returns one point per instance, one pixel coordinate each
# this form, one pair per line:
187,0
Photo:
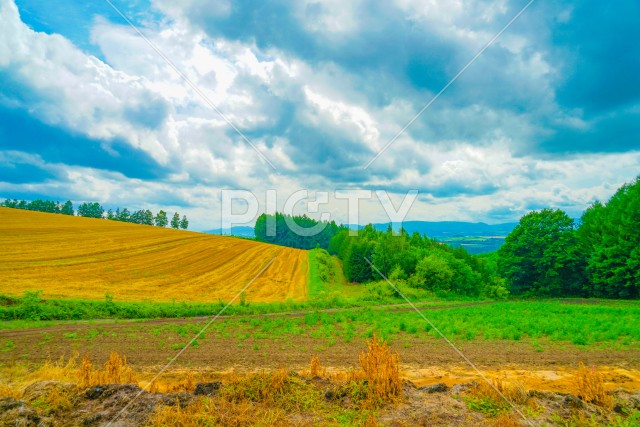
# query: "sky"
293,95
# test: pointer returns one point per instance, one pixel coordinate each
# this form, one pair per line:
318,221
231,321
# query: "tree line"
49,206
549,254
416,259
280,229
95,210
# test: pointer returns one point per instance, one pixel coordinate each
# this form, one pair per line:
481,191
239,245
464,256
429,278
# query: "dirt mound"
50,403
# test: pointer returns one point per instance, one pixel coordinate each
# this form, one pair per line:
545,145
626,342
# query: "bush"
433,273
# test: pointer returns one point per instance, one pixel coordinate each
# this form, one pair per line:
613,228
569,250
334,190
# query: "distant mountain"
438,230
454,228
241,231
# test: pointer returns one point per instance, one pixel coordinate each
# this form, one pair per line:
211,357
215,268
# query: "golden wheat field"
74,257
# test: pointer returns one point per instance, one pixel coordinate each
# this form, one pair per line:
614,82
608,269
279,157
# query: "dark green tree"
294,231
161,219
44,206
90,210
175,221
541,256
123,215
391,250
356,268
67,208
184,222
610,237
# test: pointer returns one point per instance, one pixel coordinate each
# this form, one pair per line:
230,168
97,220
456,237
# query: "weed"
381,370
315,368
589,384
506,419
46,337
8,346
484,398
116,371
56,400
85,372
261,387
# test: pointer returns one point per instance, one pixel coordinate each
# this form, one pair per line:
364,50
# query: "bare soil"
424,359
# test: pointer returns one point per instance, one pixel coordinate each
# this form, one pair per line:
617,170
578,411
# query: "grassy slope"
84,258
336,285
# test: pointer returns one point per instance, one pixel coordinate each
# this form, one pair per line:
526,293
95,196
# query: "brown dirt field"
425,359
85,258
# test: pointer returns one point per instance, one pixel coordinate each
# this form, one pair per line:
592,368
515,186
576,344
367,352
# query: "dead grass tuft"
589,384
381,369
258,387
59,399
371,420
116,371
218,411
8,391
315,368
515,391
507,419
84,374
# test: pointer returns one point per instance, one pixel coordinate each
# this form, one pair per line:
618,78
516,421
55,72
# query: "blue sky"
548,116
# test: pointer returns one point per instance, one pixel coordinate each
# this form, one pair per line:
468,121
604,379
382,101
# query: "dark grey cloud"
20,131
21,172
614,132
600,55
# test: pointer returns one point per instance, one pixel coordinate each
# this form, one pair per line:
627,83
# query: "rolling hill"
85,258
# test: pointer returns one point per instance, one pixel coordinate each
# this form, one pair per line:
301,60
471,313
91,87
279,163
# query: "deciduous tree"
541,257
175,221
161,219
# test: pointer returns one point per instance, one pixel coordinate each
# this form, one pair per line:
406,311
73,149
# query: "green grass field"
337,310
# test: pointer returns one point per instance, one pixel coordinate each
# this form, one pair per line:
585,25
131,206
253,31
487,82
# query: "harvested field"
85,258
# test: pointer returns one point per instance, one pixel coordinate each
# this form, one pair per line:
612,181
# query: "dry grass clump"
258,387
507,419
57,399
515,392
315,368
489,398
218,411
8,391
116,371
376,382
187,384
58,370
266,398
262,398
381,369
589,384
